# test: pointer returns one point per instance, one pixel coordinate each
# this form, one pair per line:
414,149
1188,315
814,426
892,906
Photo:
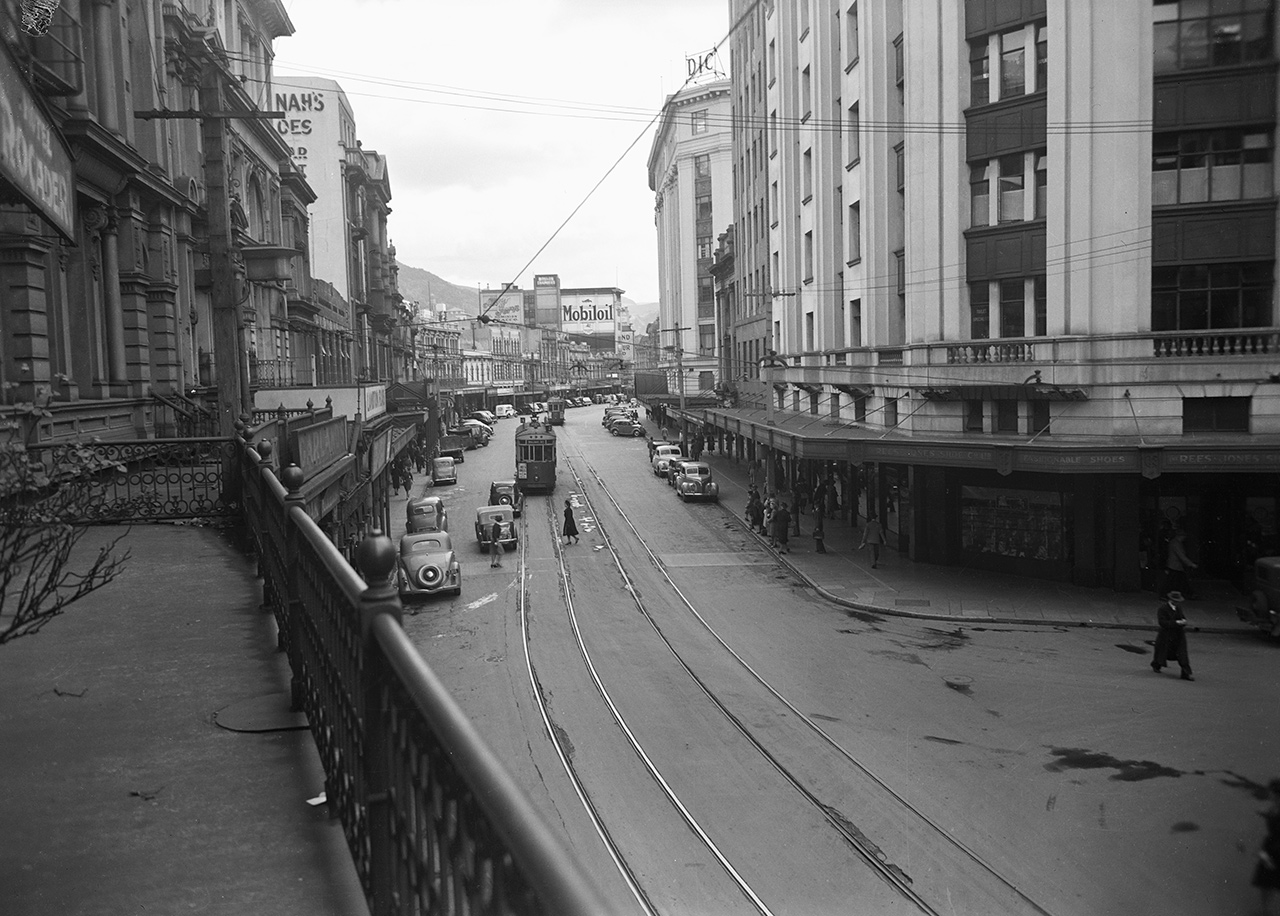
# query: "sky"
498,118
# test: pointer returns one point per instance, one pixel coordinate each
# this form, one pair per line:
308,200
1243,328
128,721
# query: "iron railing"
152,479
433,821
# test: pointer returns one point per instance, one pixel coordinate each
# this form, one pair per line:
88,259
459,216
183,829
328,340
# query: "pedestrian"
751,473
766,521
1171,639
496,549
873,534
1266,876
1177,563
819,535
833,499
755,511
570,526
782,527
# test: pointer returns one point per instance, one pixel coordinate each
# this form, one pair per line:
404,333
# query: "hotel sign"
33,158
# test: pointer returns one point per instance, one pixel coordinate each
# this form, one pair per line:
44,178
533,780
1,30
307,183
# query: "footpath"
150,760
900,586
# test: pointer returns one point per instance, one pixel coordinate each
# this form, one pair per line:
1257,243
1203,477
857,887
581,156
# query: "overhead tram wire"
630,146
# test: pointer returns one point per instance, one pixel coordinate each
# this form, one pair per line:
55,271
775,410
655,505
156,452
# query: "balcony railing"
280,373
1236,342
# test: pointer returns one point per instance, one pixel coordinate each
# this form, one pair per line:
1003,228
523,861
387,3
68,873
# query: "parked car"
626,426
428,565
504,411
485,517
443,471
663,455
426,513
507,493
484,416
673,469
455,447
612,413
482,431
476,437
693,481
1263,611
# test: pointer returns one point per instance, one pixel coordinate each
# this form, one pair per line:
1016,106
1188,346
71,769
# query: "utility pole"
679,352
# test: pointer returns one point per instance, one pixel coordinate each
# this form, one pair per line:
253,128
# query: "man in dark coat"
1171,640
782,527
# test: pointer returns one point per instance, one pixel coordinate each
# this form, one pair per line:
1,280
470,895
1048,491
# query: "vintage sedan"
693,481
426,513
428,565
663,455
507,493
485,517
443,471
626,426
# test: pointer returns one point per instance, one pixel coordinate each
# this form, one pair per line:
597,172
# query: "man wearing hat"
1171,640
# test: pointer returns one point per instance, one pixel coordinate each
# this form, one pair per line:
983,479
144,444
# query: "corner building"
1020,269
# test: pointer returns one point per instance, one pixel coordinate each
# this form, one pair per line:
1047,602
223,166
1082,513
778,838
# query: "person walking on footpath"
570,526
766,521
782,528
819,535
1177,563
496,549
1171,640
1266,875
873,534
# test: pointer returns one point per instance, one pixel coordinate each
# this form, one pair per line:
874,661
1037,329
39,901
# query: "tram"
536,459
555,407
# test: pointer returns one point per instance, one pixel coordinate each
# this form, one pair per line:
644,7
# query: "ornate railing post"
255,491
293,478
376,561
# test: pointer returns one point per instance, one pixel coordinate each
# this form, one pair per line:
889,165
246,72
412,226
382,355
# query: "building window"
900,159
773,60
703,207
854,232
807,174
1012,308
1042,185
806,94
773,134
890,412
704,247
706,339
979,73
855,322
855,144
808,332
699,121
1221,33
1200,166
1013,64
973,416
860,408
804,18
1042,58
1041,306
773,202
808,256
1207,296
1006,416
899,61
702,166
1039,417
1011,186
1215,415
980,195
979,311
851,33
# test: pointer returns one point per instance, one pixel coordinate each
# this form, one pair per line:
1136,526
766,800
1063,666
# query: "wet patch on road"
562,739
947,639
1136,650
864,616
1255,789
818,715
942,740
1078,758
1184,827
909,657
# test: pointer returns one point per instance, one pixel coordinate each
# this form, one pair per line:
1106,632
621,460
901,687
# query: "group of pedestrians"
769,517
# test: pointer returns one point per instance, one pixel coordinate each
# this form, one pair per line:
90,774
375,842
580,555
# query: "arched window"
258,224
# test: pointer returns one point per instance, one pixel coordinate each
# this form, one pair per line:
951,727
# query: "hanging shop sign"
34,161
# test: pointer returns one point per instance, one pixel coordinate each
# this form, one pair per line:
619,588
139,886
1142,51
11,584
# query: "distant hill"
423,286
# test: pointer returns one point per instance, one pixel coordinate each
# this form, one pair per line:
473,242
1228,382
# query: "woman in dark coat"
570,526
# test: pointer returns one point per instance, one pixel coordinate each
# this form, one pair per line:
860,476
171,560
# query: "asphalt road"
726,742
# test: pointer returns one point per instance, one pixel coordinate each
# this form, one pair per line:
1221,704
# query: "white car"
663,455
504,411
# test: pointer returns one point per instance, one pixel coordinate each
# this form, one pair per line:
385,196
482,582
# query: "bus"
555,407
536,459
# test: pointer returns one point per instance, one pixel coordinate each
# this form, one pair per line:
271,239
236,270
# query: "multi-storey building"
1021,265
691,175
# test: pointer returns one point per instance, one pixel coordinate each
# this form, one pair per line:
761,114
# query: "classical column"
105,26
113,318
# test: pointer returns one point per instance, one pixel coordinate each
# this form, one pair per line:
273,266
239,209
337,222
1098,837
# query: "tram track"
865,850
